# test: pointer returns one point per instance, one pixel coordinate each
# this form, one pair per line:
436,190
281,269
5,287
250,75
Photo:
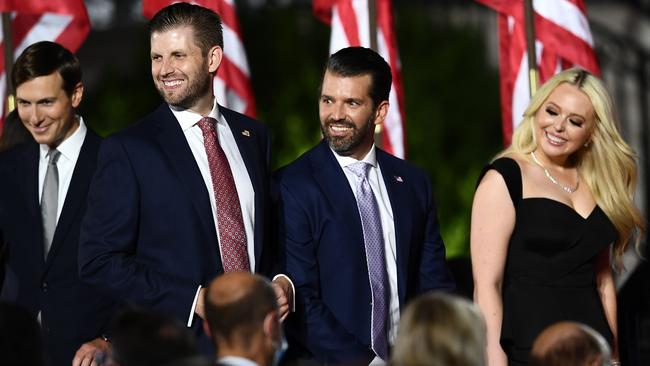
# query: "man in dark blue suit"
43,193
180,197
359,225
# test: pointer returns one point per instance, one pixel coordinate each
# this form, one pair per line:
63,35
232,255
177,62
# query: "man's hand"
284,294
200,304
91,353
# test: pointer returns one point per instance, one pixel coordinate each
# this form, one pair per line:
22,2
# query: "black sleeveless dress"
550,271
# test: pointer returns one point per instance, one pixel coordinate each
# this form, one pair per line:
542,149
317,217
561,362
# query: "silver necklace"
550,177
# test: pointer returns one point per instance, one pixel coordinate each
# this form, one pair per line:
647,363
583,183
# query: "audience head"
354,97
242,317
439,329
144,338
20,337
47,78
570,344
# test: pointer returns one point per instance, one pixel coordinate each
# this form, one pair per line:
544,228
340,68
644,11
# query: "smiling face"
181,72
564,123
46,110
347,114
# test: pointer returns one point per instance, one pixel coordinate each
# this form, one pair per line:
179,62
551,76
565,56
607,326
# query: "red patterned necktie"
232,235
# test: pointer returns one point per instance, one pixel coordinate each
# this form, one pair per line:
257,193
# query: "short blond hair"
438,329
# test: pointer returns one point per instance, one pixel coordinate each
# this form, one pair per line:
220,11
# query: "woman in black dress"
551,214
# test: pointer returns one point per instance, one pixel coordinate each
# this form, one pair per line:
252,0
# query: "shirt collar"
70,147
187,118
370,158
235,360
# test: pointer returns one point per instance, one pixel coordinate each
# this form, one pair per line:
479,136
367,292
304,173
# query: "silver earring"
586,144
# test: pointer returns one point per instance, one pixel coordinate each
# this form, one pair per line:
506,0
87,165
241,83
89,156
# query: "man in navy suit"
180,197
359,225
43,193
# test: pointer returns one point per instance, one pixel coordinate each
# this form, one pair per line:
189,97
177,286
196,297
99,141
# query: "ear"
381,112
77,95
270,324
215,54
206,328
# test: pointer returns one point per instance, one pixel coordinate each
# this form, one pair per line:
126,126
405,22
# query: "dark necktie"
232,235
50,200
375,257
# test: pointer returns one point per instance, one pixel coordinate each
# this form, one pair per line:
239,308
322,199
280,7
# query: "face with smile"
46,110
181,73
347,114
563,124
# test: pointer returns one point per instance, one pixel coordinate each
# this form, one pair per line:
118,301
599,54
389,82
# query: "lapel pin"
246,133
399,179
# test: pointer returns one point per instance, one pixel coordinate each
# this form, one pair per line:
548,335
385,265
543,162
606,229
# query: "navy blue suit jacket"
149,234
325,252
71,312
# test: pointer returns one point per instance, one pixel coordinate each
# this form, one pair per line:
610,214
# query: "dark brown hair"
205,23
44,58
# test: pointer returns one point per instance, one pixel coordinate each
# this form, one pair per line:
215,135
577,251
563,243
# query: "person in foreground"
570,344
43,193
546,215
180,197
359,225
440,330
141,337
242,318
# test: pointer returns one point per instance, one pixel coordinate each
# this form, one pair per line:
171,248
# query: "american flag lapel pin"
399,179
246,133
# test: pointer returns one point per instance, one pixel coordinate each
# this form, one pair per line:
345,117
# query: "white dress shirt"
236,361
188,121
378,187
69,149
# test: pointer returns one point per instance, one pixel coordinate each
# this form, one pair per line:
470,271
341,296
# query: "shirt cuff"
293,289
196,299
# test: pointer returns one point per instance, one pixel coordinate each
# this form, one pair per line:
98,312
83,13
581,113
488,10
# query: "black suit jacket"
72,312
149,235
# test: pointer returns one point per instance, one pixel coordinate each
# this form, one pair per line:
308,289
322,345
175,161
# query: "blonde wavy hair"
607,165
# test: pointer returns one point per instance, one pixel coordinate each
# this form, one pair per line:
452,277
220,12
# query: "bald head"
236,305
569,343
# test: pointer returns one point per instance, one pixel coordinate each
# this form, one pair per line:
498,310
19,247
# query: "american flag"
350,27
563,40
62,21
232,86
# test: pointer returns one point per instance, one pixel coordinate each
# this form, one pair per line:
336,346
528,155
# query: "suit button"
44,286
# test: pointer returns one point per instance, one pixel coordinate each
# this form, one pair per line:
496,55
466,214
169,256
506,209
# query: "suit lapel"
29,188
398,192
247,145
174,145
75,198
332,181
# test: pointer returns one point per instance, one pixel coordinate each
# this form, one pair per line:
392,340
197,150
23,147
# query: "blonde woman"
439,329
546,215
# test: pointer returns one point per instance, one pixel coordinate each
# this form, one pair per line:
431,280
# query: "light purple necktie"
376,259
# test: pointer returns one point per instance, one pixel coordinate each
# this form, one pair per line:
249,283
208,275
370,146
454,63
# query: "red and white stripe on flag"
232,86
563,40
63,21
350,27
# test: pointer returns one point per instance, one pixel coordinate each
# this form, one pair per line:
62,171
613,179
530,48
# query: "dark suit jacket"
71,312
149,234
325,252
